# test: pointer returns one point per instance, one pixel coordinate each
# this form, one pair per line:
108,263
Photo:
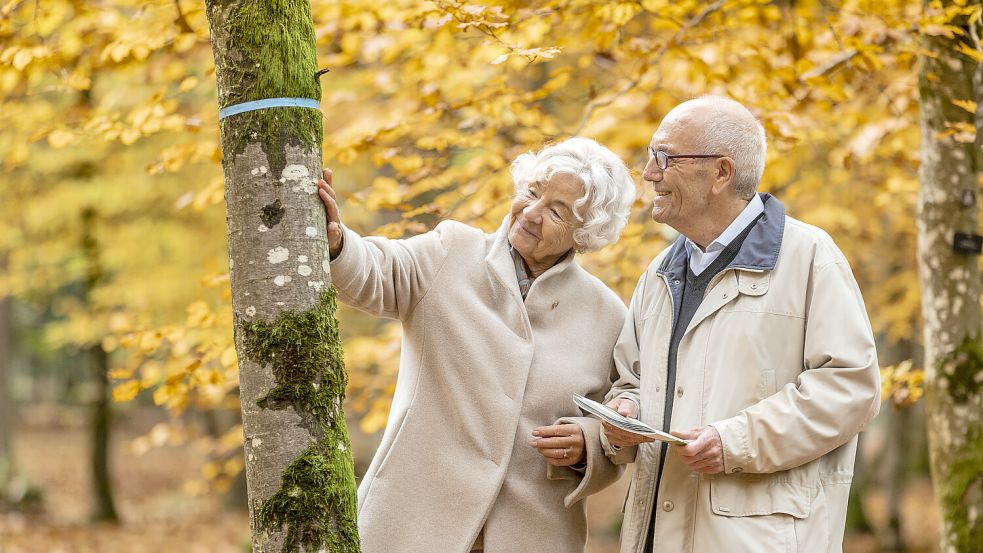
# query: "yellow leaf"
22,58
229,358
188,84
971,52
120,374
60,138
126,391
968,105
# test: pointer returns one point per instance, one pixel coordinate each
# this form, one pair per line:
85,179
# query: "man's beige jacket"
479,370
780,359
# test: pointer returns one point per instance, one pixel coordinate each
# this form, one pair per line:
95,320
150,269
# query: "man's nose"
652,171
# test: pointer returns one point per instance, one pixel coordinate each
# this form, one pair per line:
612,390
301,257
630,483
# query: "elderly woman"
484,450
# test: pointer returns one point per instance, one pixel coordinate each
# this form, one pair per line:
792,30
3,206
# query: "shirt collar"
754,208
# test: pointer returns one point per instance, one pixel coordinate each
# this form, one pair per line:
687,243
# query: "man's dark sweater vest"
694,289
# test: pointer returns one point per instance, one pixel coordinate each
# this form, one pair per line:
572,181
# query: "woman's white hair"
608,188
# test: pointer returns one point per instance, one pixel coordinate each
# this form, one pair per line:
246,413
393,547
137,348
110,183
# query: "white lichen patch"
262,228
341,445
251,311
326,265
302,258
280,280
304,270
311,231
256,442
300,178
232,263
278,254
318,284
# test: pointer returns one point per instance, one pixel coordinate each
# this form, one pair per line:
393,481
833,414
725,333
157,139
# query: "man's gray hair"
608,187
731,129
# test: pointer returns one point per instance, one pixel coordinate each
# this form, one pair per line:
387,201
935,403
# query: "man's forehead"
671,133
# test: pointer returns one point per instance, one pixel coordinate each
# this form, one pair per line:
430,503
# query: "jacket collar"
758,253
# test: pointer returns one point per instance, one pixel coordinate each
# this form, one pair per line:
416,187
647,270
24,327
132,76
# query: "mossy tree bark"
299,470
950,284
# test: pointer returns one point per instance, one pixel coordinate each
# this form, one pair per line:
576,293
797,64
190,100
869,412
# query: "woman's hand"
561,444
618,437
327,194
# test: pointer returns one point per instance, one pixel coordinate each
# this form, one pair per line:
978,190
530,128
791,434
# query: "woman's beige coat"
780,359
479,370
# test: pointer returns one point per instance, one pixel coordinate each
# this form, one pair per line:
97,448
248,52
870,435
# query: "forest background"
117,362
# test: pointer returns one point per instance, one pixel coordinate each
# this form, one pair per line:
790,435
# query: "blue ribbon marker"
269,103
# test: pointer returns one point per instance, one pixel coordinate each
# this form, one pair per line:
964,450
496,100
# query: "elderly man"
748,336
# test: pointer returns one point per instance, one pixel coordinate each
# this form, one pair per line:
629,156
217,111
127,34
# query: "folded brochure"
616,419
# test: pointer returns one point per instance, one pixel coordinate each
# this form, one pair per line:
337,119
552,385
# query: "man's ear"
723,177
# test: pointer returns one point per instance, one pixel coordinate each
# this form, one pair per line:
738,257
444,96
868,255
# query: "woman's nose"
533,212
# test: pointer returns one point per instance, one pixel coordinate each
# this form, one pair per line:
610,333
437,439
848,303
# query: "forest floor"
52,450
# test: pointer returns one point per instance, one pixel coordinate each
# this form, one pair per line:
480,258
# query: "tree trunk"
299,470
6,405
105,509
98,362
950,285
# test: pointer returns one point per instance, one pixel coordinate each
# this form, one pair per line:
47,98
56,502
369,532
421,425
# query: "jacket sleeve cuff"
599,473
733,438
617,455
349,266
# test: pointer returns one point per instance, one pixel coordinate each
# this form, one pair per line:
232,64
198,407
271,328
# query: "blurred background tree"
110,105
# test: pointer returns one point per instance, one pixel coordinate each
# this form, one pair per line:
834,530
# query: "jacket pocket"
753,494
396,441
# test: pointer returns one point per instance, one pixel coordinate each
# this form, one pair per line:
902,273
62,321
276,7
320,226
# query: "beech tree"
299,467
949,270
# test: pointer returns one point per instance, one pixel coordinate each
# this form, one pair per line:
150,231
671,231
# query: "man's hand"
328,198
618,437
562,444
705,452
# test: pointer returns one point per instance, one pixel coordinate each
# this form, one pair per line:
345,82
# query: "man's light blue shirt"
699,260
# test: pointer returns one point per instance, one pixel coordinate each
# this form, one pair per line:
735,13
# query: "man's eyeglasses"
662,158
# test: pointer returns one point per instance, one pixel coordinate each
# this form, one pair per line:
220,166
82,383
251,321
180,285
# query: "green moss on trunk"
961,368
275,58
315,505
962,494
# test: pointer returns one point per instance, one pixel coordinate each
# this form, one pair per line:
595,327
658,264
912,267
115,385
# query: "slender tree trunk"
299,469
951,292
6,405
105,509
98,362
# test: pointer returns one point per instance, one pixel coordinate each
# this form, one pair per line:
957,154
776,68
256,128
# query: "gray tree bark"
950,285
299,469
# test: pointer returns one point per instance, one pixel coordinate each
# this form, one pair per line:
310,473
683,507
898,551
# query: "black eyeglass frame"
662,158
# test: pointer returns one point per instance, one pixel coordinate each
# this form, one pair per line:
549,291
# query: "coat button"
725,295
676,282
555,303
754,286
667,506
679,391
